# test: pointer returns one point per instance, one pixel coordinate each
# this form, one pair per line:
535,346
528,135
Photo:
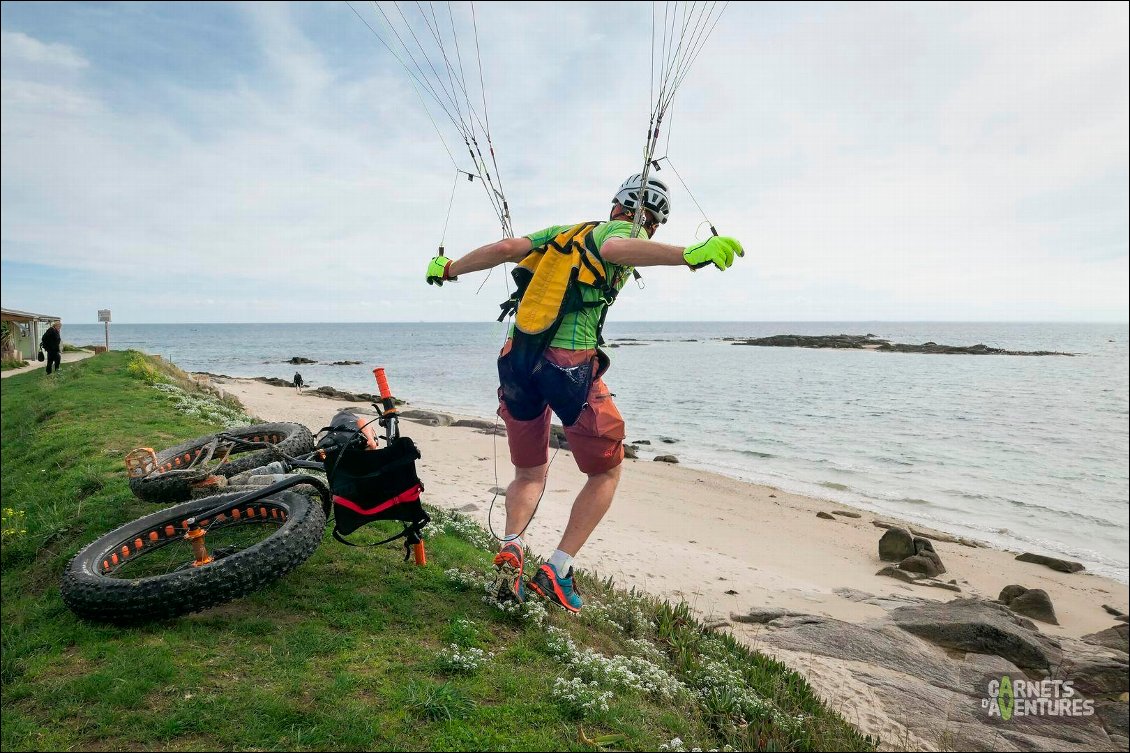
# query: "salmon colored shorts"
596,438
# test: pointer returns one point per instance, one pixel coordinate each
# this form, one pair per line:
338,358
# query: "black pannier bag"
372,484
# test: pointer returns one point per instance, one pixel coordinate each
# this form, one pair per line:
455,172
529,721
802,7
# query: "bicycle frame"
387,418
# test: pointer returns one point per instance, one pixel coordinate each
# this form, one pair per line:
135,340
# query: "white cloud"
19,47
878,162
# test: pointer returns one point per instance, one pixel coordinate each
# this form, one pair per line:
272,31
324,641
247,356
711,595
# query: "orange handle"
382,383
419,554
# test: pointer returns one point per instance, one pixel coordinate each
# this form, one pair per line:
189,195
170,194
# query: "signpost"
104,316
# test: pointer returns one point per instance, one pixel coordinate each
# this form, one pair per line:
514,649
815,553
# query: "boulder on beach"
665,459
846,514
923,565
1008,593
896,545
1063,566
825,515
1030,602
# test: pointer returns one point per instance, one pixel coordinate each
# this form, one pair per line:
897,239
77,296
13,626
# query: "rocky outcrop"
275,381
917,579
353,397
920,676
300,360
761,615
427,417
1063,566
1113,638
870,342
846,514
825,515
980,626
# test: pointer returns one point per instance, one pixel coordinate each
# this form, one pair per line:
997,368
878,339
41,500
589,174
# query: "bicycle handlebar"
382,383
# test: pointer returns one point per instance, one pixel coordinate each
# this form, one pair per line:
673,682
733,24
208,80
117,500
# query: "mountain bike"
222,546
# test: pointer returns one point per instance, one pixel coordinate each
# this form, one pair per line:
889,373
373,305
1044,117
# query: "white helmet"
655,198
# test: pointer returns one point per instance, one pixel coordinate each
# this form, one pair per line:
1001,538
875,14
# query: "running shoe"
549,585
510,560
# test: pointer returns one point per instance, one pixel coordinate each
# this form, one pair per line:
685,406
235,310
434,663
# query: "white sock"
516,538
561,562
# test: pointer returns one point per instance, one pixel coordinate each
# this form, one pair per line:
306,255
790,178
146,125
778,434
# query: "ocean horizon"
1024,453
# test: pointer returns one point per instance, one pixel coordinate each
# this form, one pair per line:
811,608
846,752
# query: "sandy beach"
722,545
683,533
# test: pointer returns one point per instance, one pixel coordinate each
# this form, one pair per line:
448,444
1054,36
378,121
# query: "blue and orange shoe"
510,560
549,585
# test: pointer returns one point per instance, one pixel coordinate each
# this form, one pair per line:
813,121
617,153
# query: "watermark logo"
1007,698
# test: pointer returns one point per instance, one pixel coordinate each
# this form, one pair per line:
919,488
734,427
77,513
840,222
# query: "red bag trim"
411,495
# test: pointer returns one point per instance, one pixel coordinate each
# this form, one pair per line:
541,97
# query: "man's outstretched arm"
491,255
485,257
637,252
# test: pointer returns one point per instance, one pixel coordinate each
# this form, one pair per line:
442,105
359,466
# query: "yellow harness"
549,283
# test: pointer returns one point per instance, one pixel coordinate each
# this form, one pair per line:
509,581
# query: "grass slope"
355,650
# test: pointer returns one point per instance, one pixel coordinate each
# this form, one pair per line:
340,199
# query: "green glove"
717,250
437,270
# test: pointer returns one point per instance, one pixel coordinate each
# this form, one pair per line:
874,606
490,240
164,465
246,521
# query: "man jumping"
568,276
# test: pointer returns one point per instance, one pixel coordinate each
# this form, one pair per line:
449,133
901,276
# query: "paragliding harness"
549,286
370,484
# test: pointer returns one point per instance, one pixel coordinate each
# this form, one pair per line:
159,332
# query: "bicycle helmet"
656,198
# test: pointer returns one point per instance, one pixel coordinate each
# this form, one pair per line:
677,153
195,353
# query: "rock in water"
896,545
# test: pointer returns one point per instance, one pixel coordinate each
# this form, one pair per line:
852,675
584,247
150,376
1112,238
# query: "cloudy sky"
220,163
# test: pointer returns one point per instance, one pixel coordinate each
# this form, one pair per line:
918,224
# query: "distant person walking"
52,342
298,383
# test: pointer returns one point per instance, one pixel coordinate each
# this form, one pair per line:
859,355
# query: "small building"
25,330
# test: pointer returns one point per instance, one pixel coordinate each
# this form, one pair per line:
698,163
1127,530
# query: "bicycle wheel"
145,569
162,486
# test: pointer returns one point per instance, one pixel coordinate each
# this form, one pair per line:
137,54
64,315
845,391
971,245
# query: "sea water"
1028,453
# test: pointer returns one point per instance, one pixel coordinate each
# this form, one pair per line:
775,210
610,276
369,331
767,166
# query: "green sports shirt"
577,331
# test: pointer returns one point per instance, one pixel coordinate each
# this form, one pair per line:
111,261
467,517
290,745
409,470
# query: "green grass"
12,363
355,650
